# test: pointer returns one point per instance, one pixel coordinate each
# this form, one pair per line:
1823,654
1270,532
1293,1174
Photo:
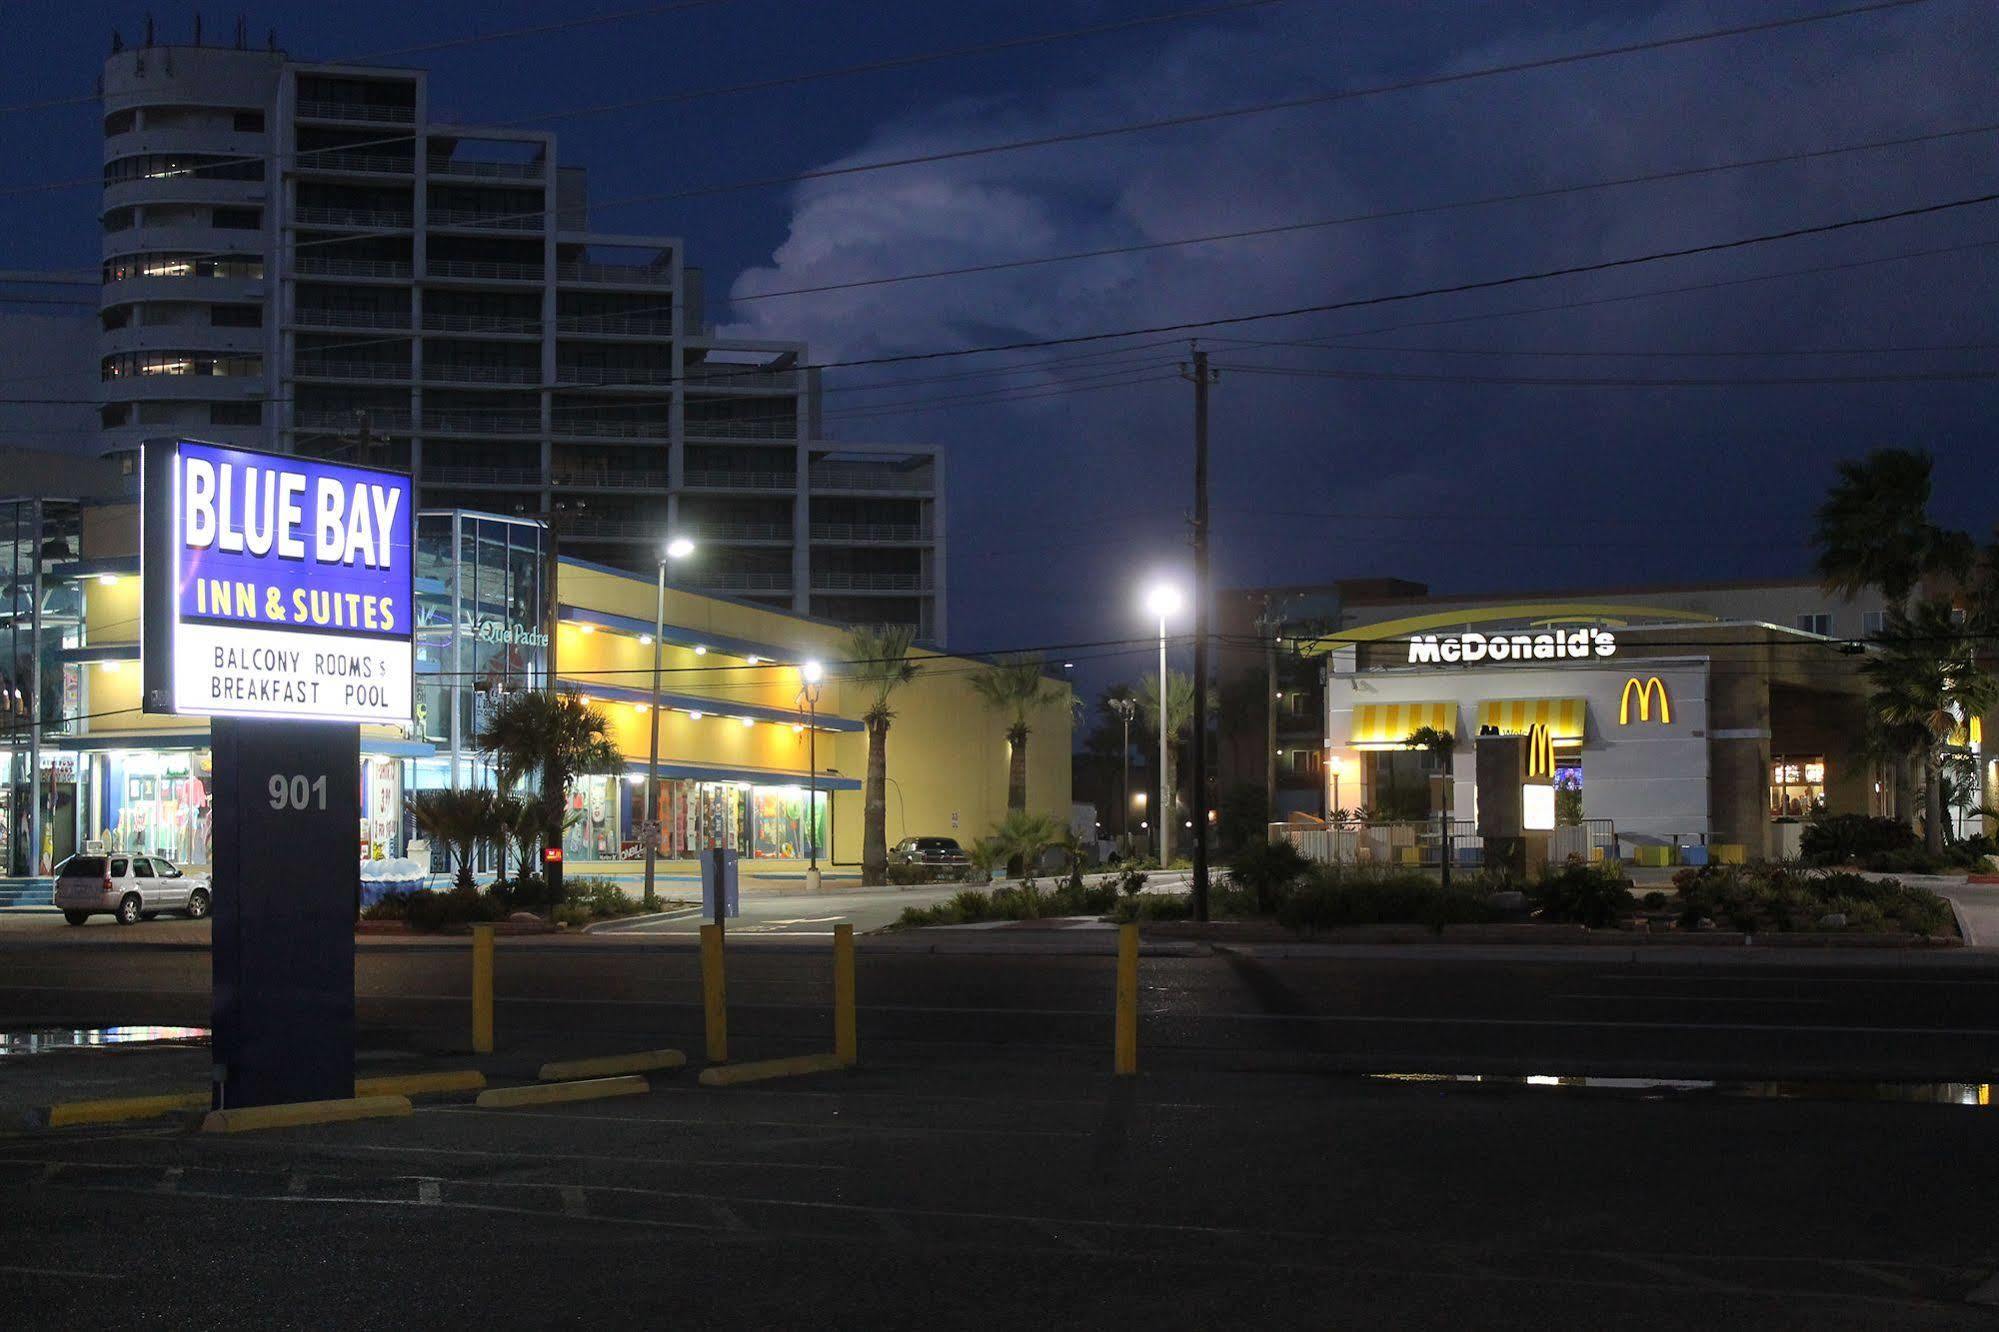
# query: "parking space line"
344,1148
63,1273
726,1124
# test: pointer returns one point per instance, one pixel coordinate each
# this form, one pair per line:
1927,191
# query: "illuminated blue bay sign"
275,586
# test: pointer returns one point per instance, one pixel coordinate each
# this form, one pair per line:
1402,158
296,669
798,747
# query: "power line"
1145,126
1141,247
1649,353
1578,381
757,85
539,29
1360,302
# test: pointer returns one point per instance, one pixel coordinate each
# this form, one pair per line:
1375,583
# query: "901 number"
297,791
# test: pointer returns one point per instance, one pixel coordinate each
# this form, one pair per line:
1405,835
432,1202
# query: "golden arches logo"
1540,752
1643,693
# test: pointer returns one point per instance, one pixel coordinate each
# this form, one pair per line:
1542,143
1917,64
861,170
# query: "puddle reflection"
1925,1093
46,1040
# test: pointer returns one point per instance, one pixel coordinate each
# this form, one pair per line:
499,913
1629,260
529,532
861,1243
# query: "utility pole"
1202,377
1267,625
1125,708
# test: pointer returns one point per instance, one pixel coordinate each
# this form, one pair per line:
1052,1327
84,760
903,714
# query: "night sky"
1069,482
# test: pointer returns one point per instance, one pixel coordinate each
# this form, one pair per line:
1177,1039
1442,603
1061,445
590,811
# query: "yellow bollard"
846,1040
714,994
482,989
1125,1058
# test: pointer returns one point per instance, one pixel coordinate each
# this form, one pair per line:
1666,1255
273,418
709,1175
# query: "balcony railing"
612,478
343,418
639,325
333,159
630,275
714,529
786,429
601,374
866,533
484,219
740,580
371,112
483,423
482,476
735,377
383,319
443,372
435,321
866,478
450,166
610,428
614,529
841,580
320,368
352,217
376,268
731,479
480,268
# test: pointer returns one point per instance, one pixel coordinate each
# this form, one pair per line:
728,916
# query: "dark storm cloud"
1060,501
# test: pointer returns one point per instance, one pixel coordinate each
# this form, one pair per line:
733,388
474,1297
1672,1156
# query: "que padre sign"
275,586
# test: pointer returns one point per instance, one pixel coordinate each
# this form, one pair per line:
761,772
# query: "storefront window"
381,808
158,801
595,819
1797,787
757,822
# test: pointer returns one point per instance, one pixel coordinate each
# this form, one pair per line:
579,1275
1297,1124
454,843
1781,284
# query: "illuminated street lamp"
676,548
1163,601
810,675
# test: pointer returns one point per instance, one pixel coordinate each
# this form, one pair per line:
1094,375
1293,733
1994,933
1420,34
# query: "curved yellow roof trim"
1417,624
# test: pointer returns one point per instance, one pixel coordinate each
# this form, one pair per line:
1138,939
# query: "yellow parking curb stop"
117,1108
728,1075
548,1093
645,1061
298,1113
411,1084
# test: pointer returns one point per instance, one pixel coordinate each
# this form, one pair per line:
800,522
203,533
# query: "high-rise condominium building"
298,257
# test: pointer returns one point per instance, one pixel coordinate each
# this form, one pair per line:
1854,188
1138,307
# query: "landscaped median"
1271,894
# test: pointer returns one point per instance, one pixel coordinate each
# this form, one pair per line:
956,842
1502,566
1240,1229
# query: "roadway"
981,1169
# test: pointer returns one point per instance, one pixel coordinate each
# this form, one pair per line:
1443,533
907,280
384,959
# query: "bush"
1329,896
1762,899
1027,901
1849,839
1267,871
597,898
1585,894
390,906
456,906
1154,906
1130,880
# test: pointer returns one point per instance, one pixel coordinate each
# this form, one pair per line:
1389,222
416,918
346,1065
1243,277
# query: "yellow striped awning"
1562,716
1387,725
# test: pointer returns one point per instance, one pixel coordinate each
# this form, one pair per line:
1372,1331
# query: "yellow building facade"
737,738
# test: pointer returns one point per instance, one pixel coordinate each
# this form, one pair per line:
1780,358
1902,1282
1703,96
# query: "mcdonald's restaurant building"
1678,726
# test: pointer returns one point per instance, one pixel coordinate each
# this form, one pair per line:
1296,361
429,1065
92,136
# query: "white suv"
130,887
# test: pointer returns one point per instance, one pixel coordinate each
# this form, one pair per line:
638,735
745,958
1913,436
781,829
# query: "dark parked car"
941,856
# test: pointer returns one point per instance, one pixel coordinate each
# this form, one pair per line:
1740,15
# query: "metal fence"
1426,843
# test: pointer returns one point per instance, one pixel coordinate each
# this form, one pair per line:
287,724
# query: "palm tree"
523,824
552,733
1014,687
1025,838
1179,715
1874,528
878,665
462,820
1924,680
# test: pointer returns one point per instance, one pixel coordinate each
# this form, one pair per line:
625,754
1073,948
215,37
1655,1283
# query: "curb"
299,1113
112,1110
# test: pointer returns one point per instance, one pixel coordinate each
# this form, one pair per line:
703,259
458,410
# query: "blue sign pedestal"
286,882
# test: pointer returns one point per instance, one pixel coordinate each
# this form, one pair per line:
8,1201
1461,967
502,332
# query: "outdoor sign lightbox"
275,586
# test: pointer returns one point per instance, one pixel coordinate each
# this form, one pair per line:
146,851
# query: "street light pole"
1165,810
678,548
810,674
